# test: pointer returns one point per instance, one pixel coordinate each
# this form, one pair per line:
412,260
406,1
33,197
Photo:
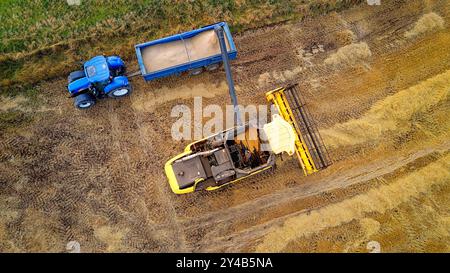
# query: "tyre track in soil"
360,102
156,219
137,195
227,219
197,205
283,52
145,134
391,47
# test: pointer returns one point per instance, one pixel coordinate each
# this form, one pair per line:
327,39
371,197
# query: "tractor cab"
101,77
97,70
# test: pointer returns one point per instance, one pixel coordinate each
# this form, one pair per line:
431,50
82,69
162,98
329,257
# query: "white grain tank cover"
281,135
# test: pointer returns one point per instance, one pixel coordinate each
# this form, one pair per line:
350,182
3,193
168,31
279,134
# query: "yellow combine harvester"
244,151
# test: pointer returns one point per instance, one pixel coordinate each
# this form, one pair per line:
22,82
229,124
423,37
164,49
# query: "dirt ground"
377,81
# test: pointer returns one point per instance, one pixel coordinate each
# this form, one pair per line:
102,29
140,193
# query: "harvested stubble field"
377,81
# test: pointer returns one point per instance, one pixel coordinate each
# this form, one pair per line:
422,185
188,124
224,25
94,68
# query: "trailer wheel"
84,101
196,71
120,92
212,67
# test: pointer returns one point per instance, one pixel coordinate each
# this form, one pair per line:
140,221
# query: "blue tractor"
101,77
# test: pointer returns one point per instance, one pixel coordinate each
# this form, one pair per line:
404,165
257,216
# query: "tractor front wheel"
120,92
84,101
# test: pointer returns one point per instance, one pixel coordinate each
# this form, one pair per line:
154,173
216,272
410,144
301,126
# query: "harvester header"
311,152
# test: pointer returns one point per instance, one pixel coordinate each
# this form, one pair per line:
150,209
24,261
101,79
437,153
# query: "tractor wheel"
84,101
196,71
76,75
120,92
212,67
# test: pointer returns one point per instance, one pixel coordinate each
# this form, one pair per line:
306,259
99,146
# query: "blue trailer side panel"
150,75
140,61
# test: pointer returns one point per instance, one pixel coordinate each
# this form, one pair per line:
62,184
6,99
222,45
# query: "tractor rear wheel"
76,75
84,101
120,92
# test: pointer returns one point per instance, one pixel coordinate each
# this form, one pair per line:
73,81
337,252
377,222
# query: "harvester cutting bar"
310,149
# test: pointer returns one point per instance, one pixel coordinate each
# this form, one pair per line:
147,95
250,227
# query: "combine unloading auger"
311,152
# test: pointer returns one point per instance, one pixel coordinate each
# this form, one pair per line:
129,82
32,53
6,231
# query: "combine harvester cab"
309,147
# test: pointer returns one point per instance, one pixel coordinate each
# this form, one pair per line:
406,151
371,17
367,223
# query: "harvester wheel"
120,92
76,75
84,101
